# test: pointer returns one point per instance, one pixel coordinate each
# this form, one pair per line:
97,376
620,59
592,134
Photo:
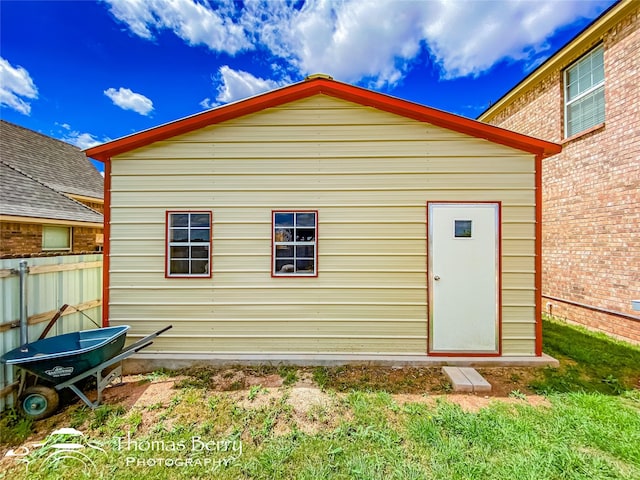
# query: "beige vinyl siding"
368,173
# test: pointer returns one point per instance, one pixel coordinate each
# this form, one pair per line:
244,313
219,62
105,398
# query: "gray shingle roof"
23,196
57,164
37,171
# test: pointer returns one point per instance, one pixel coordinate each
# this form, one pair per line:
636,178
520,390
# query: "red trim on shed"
324,86
166,244
538,259
499,286
106,246
273,245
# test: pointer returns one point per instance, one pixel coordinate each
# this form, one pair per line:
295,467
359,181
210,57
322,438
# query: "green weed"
14,427
288,373
157,375
517,394
196,377
321,376
255,391
106,416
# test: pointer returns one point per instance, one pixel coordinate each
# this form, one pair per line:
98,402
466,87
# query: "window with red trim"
188,244
295,251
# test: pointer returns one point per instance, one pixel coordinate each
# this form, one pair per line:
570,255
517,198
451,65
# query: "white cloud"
353,40
128,100
236,84
379,40
138,15
83,140
195,22
349,40
15,82
487,32
207,103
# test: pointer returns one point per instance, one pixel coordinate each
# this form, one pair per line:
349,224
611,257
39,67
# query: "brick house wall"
591,191
25,239
84,239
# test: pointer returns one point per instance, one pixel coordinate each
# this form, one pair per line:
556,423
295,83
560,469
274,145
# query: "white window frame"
591,91
298,239
58,249
189,243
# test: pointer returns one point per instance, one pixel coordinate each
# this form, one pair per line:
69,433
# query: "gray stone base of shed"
149,362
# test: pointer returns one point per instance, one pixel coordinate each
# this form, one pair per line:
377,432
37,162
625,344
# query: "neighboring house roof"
23,196
316,85
37,173
573,50
57,164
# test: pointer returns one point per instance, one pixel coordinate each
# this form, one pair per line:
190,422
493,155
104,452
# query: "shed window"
188,244
462,228
295,251
584,93
56,238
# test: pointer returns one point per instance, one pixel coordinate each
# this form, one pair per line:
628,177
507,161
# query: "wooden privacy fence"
75,280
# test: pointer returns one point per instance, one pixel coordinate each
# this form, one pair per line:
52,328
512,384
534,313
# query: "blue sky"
88,72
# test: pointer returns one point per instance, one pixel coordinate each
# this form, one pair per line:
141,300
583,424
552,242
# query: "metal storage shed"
325,222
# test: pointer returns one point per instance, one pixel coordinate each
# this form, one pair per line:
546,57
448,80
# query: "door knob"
436,277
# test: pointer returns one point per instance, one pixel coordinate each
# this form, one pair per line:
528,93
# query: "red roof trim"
335,89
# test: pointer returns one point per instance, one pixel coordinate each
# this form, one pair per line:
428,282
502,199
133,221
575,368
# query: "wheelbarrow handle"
53,320
144,340
137,349
160,332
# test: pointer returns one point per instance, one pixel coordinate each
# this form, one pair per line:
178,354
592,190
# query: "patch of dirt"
269,381
261,399
312,408
505,380
402,380
315,410
389,379
136,391
414,380
303,399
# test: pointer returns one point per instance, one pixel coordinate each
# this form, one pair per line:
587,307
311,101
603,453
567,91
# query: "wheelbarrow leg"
83,397
101,384
104,382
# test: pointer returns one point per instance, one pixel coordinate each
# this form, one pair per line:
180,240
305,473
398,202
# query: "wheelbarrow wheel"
39,401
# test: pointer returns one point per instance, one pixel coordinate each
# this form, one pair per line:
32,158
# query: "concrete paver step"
478,381
466,379
459,380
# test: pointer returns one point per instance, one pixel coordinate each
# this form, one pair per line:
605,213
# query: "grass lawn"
586,427
589,362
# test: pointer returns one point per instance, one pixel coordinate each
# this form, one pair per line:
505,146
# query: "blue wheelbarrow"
66,361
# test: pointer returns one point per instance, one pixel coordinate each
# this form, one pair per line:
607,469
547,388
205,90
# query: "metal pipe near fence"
24,332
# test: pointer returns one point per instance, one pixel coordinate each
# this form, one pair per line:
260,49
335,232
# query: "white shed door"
463,278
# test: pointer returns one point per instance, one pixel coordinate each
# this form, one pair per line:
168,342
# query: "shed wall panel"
368,173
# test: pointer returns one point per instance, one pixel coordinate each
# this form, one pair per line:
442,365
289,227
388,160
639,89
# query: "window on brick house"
188,244
56,237
584,93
